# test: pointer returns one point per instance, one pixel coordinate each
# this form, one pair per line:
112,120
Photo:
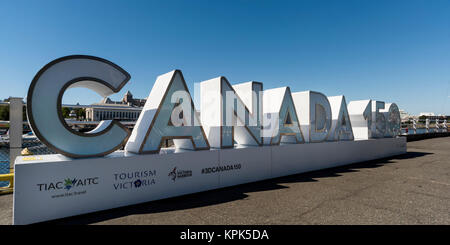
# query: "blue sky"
394,51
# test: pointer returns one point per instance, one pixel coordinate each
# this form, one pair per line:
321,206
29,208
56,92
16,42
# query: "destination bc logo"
134,180
177,174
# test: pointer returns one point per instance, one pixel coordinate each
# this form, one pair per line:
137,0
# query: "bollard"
15,128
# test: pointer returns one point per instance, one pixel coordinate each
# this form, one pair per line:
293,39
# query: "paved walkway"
410,189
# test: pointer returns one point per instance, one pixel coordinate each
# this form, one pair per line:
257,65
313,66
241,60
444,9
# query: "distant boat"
4,138
27,136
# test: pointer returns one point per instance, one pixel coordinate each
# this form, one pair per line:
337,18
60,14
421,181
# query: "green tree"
4,113
65,112
81,113
24,114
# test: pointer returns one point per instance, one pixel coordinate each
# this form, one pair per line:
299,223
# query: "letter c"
44,105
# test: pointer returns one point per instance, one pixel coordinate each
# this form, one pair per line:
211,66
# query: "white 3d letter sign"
379,119
241,114
241,134
282,124
314,113
341,128
392,115
154,123
44,105
231,114
360,112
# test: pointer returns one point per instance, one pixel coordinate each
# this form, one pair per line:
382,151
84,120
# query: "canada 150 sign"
244,113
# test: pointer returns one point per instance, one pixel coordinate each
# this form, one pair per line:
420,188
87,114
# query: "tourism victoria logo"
134,180
177,174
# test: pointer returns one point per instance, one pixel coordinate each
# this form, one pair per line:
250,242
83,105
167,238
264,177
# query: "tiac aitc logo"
68,184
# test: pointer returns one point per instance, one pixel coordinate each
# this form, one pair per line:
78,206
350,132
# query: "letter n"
231,113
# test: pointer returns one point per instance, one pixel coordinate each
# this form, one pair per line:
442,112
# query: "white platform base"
53,186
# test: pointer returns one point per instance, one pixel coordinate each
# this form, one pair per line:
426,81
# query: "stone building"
128,109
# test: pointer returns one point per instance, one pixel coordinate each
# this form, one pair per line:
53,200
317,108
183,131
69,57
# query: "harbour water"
35,146
4,163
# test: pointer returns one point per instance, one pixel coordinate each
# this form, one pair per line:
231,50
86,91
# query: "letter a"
341,127
168,114
281,124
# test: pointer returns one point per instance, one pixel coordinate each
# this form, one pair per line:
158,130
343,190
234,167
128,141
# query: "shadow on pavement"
227,194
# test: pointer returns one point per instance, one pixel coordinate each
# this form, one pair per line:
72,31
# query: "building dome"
106,100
